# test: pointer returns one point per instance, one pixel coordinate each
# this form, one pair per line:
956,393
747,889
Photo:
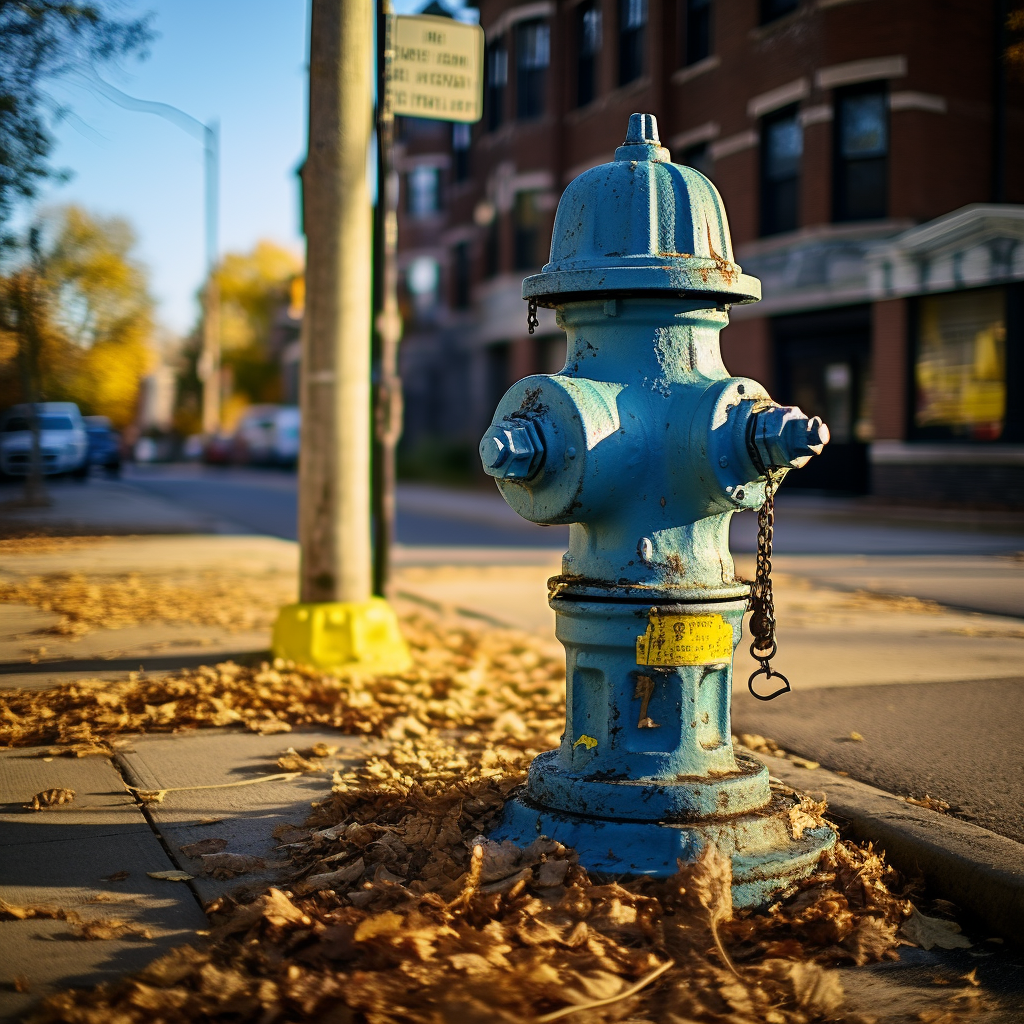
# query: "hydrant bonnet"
641,224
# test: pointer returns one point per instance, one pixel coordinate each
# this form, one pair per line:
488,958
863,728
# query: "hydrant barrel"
646,446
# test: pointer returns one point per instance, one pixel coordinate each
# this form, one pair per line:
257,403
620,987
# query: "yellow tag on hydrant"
684,640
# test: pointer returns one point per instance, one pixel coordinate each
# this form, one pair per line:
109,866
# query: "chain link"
762,602
531,315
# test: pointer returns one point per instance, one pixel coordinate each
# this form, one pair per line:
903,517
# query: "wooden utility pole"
334,470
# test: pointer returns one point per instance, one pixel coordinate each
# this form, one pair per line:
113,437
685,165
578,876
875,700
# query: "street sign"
436,68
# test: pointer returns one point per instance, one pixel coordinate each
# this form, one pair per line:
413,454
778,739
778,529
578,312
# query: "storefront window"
960,365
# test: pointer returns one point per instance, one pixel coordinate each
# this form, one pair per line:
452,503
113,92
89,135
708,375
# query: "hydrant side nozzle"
512,450
784,437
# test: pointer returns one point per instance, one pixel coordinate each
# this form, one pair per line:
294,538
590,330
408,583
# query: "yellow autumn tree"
254,287
92,299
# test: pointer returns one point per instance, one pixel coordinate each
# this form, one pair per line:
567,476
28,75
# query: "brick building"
870,154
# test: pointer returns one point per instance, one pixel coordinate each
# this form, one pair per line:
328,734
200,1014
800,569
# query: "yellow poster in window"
684,640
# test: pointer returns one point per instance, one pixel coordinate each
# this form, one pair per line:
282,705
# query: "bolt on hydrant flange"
646,447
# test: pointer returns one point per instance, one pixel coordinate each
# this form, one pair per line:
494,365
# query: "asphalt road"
265,501
959,742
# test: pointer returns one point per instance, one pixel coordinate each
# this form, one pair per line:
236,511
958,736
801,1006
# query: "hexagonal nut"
785,437
511,450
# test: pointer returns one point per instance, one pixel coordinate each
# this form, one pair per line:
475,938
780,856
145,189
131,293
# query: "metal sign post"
432,68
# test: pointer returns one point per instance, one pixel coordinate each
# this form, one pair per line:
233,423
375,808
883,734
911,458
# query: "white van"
63,442
268,435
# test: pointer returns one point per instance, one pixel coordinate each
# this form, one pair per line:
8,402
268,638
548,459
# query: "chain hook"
762,602
531,315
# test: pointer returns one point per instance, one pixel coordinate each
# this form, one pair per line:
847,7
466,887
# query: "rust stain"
643,692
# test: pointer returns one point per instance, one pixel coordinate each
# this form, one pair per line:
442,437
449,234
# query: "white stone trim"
820,113
917,101
854,71
527,12
775,99
910,453
702,133
692,71
441,161
734,144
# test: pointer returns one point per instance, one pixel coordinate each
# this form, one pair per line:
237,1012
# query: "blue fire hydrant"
646,446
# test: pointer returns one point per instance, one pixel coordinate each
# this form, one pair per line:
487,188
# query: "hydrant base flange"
649,799
765,857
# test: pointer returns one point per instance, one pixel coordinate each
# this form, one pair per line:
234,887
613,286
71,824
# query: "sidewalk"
832,642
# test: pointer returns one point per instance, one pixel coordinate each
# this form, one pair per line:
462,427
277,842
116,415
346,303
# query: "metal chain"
531,315
762,602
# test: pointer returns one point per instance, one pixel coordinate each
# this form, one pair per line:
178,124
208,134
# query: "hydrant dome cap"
641,224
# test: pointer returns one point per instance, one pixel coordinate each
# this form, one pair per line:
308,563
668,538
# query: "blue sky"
239,61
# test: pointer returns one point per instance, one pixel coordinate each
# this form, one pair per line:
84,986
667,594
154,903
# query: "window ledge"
691,71
602,103
946,453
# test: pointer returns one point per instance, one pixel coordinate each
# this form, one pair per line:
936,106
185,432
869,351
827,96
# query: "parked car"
104,444
268,435
63,443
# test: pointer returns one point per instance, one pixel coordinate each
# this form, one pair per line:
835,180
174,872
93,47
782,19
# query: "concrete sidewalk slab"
248,813
64,857
102,806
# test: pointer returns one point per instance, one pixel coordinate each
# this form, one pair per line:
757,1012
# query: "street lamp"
209,135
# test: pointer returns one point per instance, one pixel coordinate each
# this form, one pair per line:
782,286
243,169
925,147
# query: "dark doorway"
823,365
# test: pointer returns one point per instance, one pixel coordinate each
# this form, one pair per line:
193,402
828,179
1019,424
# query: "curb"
980,871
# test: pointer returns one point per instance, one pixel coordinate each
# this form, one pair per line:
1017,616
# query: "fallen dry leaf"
117,876
210,845
228,865
50,798
932,932
931,802
171,876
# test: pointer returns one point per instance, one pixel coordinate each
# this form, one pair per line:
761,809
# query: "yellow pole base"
362,635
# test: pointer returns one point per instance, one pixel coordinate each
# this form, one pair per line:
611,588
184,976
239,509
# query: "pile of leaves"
86,603
393,908
510,684
396,910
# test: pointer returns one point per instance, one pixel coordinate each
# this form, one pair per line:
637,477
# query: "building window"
527,221
460,151
699,158
497,80
498,371
782,146
533,55
772,9
421,279
960,366
588,46
461,276
492,248
632,39
861,160
423,192
697,22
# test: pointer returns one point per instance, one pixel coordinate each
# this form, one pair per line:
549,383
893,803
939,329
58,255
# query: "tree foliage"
89,300
40,39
